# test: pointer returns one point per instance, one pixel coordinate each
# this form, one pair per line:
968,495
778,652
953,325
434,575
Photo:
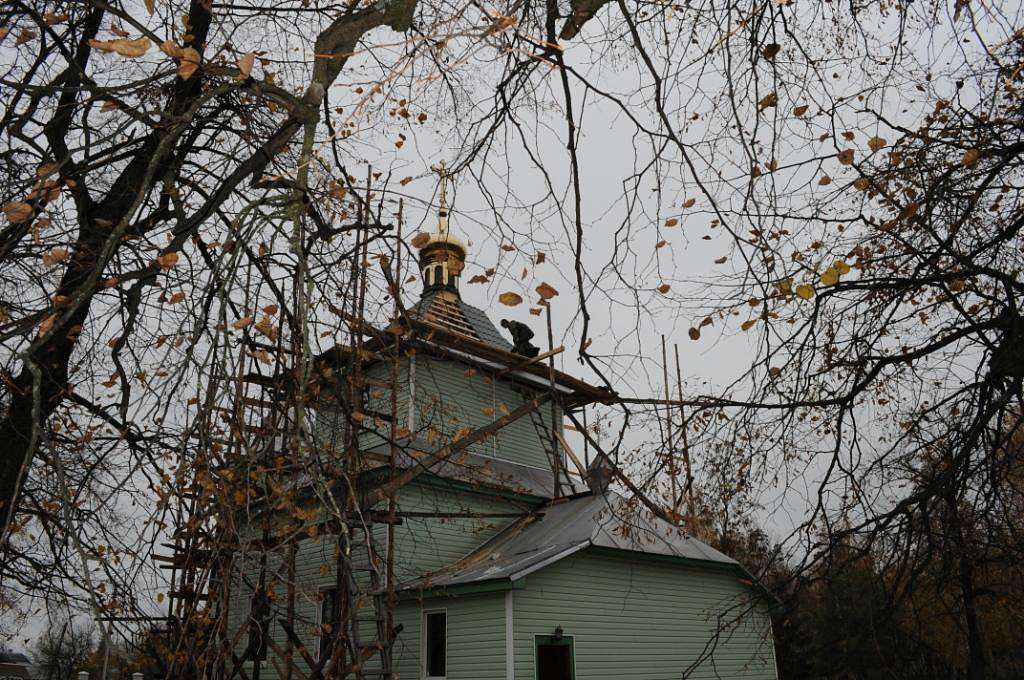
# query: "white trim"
771,632
423,642
510,658
554,558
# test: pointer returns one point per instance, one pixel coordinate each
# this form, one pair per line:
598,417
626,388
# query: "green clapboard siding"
424,545
644,620
476,637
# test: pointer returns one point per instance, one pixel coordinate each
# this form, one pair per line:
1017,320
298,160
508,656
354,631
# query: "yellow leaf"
748,324
841,267
510,299
805,291
830,277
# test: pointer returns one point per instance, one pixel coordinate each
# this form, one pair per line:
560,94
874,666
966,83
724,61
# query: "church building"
513,560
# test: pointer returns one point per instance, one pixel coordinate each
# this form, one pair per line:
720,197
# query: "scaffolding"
239,520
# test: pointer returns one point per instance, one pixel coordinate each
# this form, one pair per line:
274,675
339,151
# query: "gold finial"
442,171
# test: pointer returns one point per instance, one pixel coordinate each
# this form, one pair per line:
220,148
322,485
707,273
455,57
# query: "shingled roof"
459,317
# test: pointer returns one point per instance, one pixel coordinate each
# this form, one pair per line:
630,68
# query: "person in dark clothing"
521,336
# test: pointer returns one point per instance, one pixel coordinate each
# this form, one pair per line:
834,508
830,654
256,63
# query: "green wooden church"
509,562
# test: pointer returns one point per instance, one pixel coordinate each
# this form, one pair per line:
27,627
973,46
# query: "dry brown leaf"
17,211
243,322
768,101
535,311
694,333
47,324
122,46
176,298
245,63
770,51
671,222
688,203
970,158
664,288
405,180
877,143
23,37
167,260
546,291
748,324
824,181
55,256
510,299
419,240
541,257
52,18
171,49
189,63
661,244
845,156
800,110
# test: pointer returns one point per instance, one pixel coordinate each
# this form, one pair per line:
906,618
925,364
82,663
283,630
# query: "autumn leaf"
800,110
47,324
478,278
150,6
661,244
510,299
176,298
688,203
17,211
546,292
830,277
243,322
541,257
671,222
419,240
845,156
55,256
805,291
748,324
245,63
664,288
358,417
24,36
123,47
770,51
189,63
405,180
861,183
694,333
774,372
824,181
271,309
535,311
52,18
876,143
768,101
507,247
171,49
841,267
167,260
970,158
721,260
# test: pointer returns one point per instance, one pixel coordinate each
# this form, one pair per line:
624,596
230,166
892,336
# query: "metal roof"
565,527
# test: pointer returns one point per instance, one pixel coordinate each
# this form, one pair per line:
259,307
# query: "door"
555,657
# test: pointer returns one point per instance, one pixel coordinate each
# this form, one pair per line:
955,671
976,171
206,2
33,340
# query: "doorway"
555,657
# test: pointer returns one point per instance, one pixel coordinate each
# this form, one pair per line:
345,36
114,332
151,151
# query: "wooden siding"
476,637
644,619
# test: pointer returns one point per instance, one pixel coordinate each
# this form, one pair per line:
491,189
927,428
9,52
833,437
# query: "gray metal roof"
566,527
